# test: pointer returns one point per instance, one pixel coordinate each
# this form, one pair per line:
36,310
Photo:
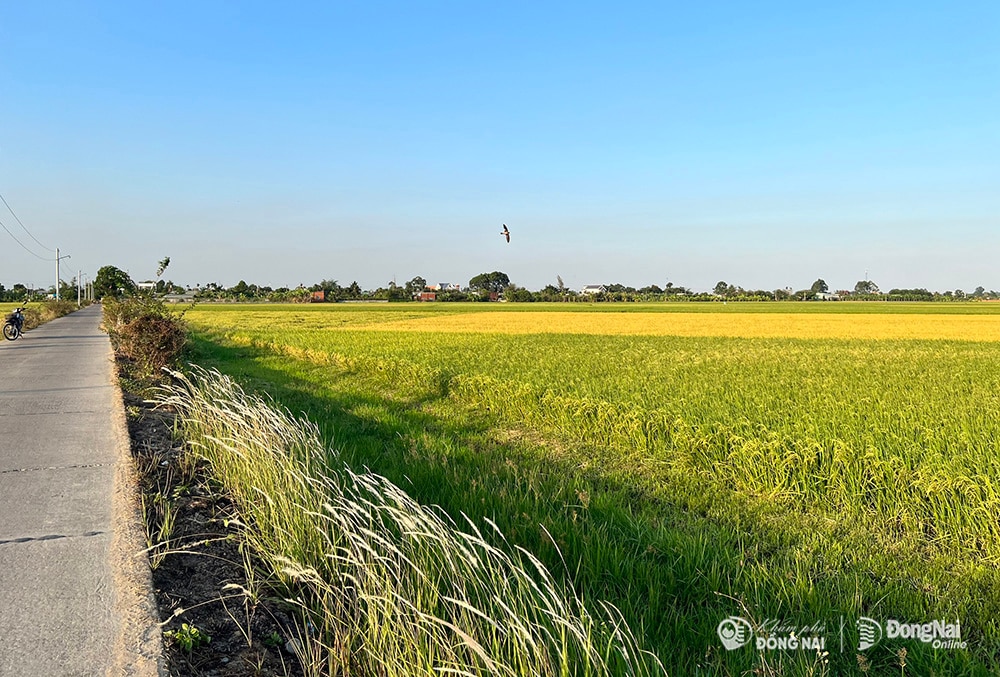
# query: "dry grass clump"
388,586
146,335
150,343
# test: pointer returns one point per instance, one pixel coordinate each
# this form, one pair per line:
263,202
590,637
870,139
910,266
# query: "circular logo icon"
734,632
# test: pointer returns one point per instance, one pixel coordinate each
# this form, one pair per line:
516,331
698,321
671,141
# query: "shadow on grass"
673,572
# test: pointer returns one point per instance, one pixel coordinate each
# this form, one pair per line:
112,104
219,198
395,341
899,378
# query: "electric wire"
2,198
23,245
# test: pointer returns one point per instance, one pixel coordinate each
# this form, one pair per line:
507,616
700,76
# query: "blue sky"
765,144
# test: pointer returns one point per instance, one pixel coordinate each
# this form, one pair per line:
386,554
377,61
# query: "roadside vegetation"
355,576
147,336
683,479
38,313
219,615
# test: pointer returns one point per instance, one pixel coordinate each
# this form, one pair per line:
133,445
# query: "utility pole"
79,274
58,258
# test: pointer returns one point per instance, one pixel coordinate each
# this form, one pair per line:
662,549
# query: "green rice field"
791,465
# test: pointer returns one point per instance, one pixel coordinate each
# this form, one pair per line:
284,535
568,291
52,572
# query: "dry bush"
119,312
150,343
146,336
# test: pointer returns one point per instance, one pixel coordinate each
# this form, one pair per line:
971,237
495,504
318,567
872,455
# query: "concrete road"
61,452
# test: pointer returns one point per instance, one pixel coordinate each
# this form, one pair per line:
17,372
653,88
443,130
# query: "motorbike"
13,328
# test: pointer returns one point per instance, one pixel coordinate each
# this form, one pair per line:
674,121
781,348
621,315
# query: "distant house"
427,296
824,296
147,284
189,295
445,286
318,296
594,289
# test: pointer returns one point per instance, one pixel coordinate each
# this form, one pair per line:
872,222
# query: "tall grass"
388,586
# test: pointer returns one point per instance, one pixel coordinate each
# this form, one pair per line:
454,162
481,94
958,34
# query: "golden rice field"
734,325
813,466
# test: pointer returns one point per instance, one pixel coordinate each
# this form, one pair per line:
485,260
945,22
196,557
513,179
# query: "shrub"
151,343
145,334
119,312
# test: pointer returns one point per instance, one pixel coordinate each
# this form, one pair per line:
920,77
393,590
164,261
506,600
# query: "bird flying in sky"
506,233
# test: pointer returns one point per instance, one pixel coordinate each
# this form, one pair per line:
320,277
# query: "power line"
23,226
22,244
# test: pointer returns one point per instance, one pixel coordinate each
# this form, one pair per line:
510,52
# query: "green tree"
239,289
865,287
550,293
113,282
390,292
819,287
331,288
494,282
67,290
910,295
415,286
721,288
518,294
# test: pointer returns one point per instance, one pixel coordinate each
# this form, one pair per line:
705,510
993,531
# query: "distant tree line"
20,293
496,285
15,294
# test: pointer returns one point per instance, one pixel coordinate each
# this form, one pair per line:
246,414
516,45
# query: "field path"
63,595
